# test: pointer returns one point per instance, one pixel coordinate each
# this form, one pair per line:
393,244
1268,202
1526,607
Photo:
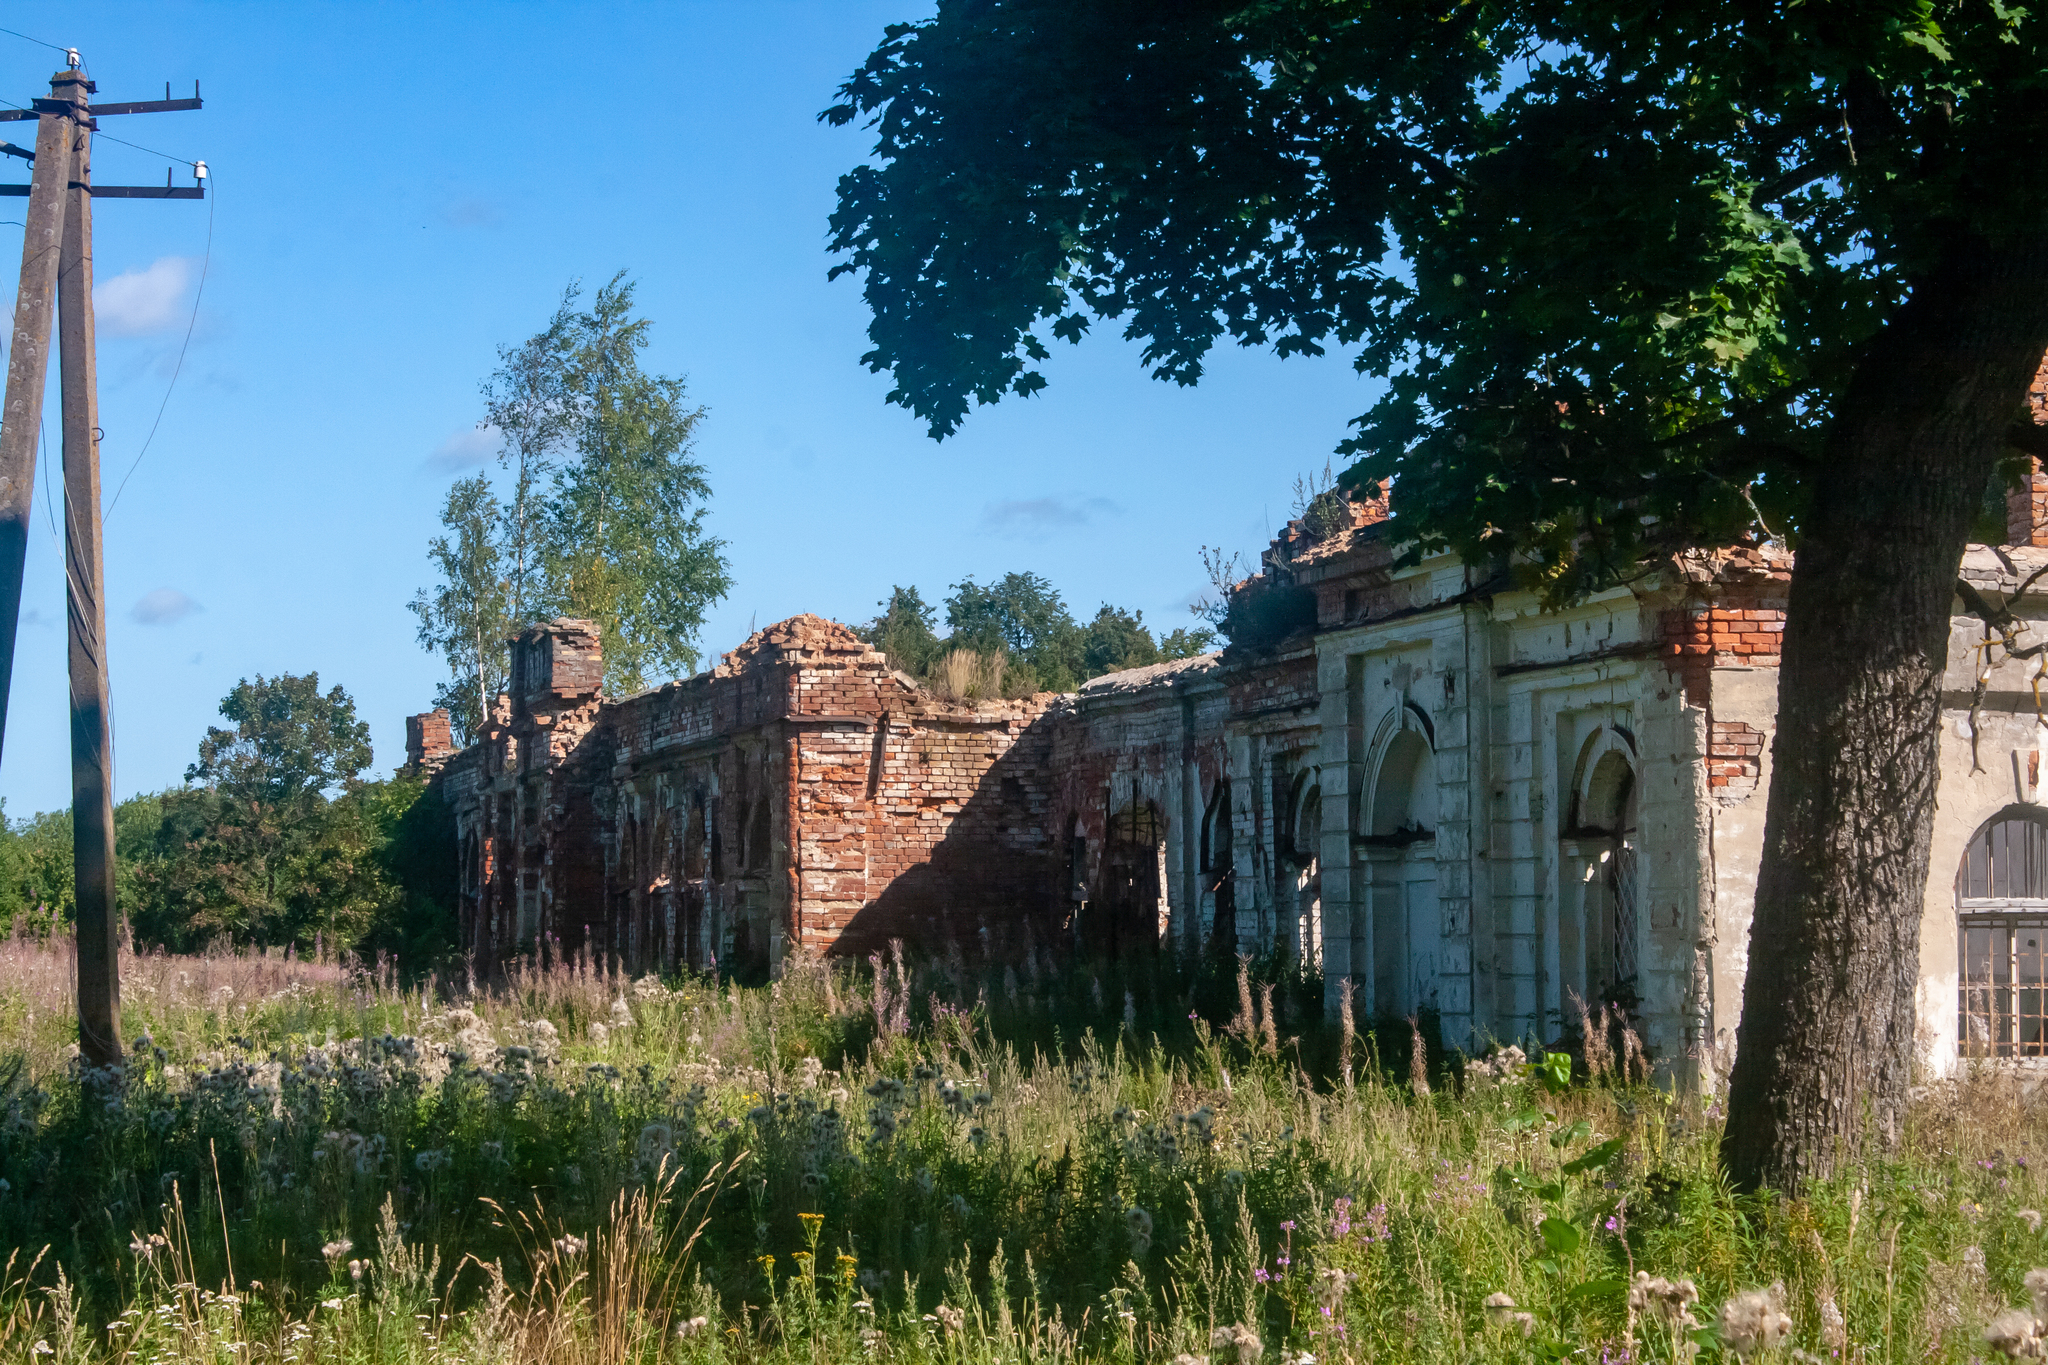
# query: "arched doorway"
1304,943
1131,901
1219,869
1404,932
2001,929
1597,948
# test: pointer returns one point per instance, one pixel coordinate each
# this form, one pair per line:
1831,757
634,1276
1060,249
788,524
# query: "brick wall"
1734,754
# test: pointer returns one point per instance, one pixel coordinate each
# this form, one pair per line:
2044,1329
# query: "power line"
59,47
99,133
179,368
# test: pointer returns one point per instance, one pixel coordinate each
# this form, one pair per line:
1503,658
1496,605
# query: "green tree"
1022,615
604,517
272,847
1116,640
1635,277
623,539
1185,643
906,631
529,402
468,616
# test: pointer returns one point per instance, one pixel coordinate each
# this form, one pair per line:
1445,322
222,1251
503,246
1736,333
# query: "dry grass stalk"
1347,1034
1269,1028
1418,1059
1243,1024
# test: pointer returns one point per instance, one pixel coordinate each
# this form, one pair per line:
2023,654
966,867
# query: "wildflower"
961,1208
2032,1218
622,1013
1834,1329
692,1327
492,1151
1499,1309
978,1136
333,1305
337,1249
432,1160
2014,1335
1755,1321
1233,1178
357,1269
142,1248
760,1114
1185,1359
1139,1221
571,1245
600,1035
1241,1341
1331,1284
952,1319
1664,1300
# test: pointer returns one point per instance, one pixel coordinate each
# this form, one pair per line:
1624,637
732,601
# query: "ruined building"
1473,808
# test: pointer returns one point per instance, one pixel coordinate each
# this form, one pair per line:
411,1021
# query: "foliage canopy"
1615,263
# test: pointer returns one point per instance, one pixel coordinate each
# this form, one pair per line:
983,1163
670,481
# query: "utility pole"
63,179
21,412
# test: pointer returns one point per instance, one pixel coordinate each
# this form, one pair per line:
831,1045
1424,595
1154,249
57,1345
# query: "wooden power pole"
61,189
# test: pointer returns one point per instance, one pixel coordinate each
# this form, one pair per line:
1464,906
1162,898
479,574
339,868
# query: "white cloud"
466,449
163,607
1034,517
137,302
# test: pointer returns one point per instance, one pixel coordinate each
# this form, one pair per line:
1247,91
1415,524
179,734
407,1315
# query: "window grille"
2001,934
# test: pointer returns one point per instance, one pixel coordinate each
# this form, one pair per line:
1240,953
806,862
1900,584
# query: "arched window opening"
758,837
693,840
2001,930
1219,870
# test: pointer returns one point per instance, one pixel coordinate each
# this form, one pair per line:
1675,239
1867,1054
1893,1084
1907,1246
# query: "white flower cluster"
2022,1334
1659,1300
1506,1064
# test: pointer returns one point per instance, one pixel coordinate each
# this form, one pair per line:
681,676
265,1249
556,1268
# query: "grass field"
1006,1161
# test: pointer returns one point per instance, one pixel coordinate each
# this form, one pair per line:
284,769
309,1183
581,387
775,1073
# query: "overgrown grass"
1005,1160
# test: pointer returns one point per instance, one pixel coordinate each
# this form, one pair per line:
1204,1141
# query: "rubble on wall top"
1733,563
1296,544
801,634
1151,675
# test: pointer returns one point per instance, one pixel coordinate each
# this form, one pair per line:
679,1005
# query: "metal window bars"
2003,1006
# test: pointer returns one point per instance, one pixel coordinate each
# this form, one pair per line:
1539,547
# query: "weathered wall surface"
799,793
1479,811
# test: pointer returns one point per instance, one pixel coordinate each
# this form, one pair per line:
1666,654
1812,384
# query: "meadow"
1004,1159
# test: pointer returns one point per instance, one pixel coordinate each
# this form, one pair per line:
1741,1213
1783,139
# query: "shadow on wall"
994,867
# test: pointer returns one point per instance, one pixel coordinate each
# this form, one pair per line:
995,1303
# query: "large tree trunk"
1825,1049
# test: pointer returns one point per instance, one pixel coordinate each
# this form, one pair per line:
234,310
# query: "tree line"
1015,636
276,839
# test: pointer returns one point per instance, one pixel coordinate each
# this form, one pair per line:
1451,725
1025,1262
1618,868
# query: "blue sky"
401,189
